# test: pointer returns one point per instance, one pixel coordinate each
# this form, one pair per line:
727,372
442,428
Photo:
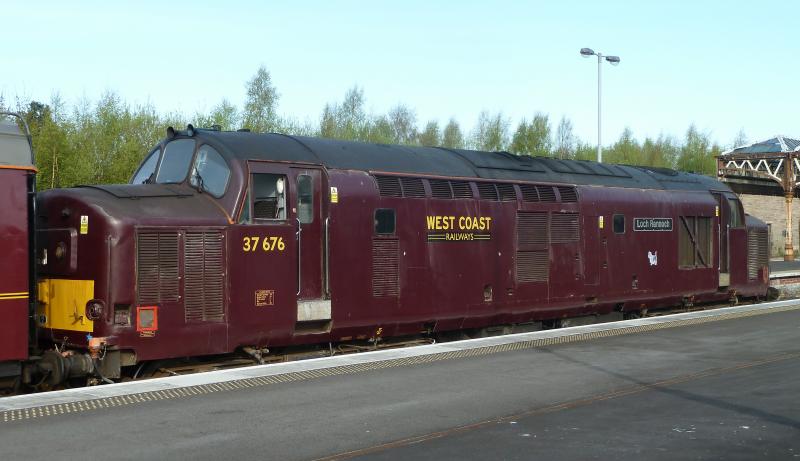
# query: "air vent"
531,228
532,266
461,189
157,280
385,268
507,192
757,252
389,186
568,194
546,194
564,228
413,187
529,193
204,277
440,189
487,191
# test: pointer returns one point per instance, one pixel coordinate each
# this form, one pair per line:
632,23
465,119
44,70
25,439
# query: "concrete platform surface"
725,389
779,265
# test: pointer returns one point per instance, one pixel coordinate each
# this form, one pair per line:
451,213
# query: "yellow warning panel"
62,304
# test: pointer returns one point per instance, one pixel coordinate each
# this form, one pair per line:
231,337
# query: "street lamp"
614,60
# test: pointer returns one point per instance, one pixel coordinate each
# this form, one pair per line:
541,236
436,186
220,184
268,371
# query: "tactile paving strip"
202,389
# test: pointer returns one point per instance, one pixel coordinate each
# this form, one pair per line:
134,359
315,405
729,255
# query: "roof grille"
461,189
568,194
487,191
389,186
413,187
529,193
440,189
507,192
157,279
546,193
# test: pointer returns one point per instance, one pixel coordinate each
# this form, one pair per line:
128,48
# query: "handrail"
327,257
299,254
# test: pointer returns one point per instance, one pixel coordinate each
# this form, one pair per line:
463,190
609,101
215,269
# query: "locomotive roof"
439,161
15,150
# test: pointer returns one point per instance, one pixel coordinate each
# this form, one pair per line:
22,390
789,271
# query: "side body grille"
157,269
440,189
385,268
461,189
413,187
507,192
205,277
487,191
389,186
568,194
757,252
564,227
531,228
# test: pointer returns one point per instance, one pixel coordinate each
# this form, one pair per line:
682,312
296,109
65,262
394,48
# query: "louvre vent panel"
568,194
157,272
507,192
546,194
529,193
385,268
389,186
487,191
440,189
532,266
531,228
413,187
564,227
461,189
204,285
757,252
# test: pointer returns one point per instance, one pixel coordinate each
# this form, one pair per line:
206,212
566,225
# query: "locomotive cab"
202,253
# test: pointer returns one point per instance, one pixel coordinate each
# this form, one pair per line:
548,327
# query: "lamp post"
614,60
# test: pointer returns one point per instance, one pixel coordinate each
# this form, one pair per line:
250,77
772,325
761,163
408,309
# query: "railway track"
158,369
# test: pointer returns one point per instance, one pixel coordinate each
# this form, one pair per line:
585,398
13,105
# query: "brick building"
765,176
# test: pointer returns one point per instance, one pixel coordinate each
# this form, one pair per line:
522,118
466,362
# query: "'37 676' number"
266,243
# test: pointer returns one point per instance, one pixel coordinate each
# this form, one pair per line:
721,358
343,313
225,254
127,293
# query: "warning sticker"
600,222
265,298
334,195
84,224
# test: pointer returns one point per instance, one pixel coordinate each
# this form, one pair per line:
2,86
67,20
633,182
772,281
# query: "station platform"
779,267
719,384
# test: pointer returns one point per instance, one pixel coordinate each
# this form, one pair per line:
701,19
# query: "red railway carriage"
17,175
229,240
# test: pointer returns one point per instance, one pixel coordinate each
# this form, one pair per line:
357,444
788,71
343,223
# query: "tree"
347,120
452,137
663,152
430,136
404,124
626,150
585,151
225,115
740,139
491,132
696,154
534,138
565,140
261,103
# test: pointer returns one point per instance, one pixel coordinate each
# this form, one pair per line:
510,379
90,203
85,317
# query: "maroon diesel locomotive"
17,175
226,241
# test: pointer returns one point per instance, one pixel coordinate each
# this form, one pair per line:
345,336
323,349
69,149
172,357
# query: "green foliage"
104,141
452,136
491,133
261,104
534,138
697,153
430,136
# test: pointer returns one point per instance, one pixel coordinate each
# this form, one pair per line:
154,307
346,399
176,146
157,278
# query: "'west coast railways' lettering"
459,228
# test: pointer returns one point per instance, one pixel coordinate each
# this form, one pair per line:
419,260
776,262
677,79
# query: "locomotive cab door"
723,248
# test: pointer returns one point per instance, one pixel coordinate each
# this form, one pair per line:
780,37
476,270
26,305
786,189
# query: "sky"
723,66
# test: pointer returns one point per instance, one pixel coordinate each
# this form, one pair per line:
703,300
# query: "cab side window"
736,219
268,194
148,168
